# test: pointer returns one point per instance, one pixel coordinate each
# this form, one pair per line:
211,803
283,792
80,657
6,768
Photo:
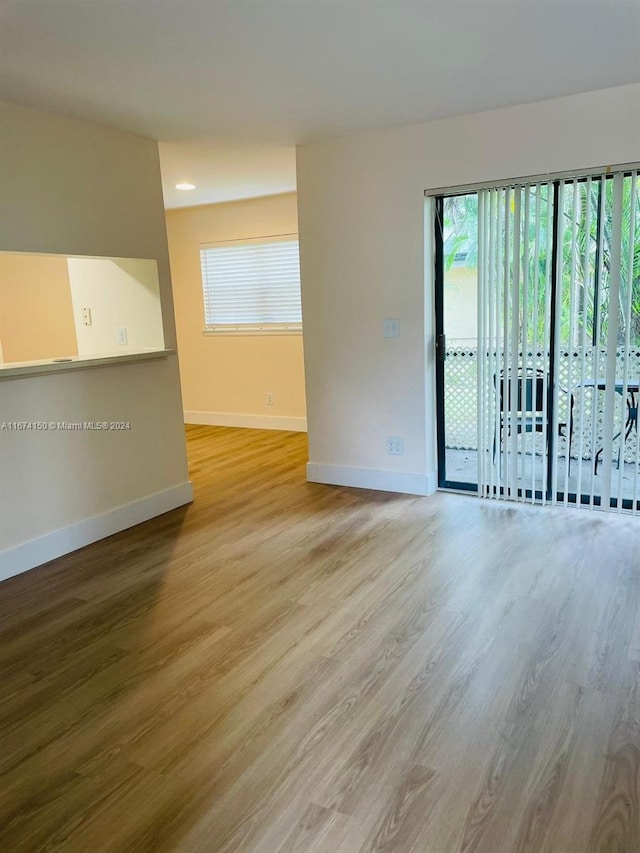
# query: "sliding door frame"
438,197
441,354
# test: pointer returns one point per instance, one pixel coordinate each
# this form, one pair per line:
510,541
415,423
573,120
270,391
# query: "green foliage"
586,225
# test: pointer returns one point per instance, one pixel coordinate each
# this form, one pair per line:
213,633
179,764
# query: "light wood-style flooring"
287,667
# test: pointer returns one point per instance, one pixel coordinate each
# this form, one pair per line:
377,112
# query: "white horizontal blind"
252,285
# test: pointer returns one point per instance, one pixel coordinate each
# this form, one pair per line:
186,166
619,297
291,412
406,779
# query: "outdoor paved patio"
462,466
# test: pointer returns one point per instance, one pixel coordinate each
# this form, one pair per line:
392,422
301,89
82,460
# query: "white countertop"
22,369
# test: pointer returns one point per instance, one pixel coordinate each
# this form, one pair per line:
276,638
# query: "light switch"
391,328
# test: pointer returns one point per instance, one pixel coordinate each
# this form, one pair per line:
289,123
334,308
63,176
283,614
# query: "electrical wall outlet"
86,316
122,335
395,445
391,328
269,397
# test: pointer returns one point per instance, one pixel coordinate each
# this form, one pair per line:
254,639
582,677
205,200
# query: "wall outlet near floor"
269,398
122,335
395,445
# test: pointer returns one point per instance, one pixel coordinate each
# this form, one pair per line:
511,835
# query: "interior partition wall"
538,339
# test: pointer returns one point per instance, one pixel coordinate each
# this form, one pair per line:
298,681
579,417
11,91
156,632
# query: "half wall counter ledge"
22,370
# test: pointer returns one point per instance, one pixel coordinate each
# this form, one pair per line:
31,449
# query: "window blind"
515,393
558,378
252,285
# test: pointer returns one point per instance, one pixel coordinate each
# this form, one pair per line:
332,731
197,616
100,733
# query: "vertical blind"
514,321
253,285
559,341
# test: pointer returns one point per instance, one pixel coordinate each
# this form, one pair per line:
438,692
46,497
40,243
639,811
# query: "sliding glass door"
538,340
457,340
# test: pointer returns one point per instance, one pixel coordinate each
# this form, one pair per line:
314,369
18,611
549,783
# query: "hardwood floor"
294,667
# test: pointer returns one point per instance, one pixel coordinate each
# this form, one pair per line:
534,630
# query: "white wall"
365,242
120,293
78,188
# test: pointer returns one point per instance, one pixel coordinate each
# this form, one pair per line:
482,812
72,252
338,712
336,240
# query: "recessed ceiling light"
185,186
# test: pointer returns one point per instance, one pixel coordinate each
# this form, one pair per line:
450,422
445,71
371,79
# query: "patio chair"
529,414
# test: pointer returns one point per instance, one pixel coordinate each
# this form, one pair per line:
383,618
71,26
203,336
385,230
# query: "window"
252,286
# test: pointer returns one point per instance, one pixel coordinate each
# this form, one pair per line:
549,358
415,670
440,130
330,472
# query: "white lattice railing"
461,407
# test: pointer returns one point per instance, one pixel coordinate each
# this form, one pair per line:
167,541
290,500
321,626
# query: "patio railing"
461,403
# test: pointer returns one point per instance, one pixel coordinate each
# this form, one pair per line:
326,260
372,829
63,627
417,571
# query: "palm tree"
586,224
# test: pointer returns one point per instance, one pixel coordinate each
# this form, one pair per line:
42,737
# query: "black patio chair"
529,386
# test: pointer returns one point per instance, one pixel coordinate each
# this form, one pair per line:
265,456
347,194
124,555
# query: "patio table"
633,388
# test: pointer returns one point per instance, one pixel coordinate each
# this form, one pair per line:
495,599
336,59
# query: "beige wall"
78,188
461,306
366,254
120,293
36,316
231,375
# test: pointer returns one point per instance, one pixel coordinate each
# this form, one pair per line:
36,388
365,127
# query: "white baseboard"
372,478
231,419
432,482
34,553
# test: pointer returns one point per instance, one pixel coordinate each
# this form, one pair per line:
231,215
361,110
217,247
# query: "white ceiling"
224,172
231,85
